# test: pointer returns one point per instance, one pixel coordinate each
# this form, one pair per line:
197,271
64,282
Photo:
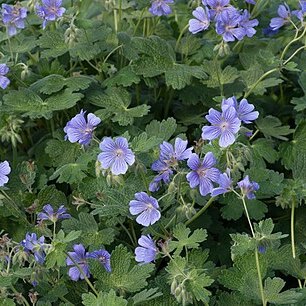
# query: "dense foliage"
153,152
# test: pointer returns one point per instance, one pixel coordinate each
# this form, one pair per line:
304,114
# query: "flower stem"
292,235
247,215
264,302
201,211
24,301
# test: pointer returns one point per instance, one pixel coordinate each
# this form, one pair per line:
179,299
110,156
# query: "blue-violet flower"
284,14
160,7
116,155
224,125
202,20
79,257
248,188
79,130
13,17
103,256
50,10
147,250
51,215
225,184
5,170
36,246
147,208
203,173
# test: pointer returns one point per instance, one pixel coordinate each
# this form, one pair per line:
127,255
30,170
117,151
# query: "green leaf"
272,127
146,295
163,130
181,233
157,56
124,77
107,299
29,104
49,194
219,76
57,256
273,294
180,75
263,148
143,143
115,104
54,44
54,83
243,243
126,275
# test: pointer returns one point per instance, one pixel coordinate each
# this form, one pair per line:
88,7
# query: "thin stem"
256,132
84,275
201,211
180,36
294,54
54,230
264,303
247,215
296,38
109,54
292,235
128,233
258,81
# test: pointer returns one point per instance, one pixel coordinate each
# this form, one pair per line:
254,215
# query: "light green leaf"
107,299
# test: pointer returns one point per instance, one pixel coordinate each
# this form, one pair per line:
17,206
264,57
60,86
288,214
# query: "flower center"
119,153
102,259
202,171
224,126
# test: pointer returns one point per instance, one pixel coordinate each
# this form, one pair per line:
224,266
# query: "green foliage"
114,104
26,103
126,276
185,240
272,293
109,299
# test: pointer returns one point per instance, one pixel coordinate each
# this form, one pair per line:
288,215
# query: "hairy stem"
264,302
201,211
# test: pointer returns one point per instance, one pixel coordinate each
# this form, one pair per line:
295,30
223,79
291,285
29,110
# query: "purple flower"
36,246
50,10
202,20
171,155
116,155
284,16
147,208
225,183
248,24
217,7
78,130
168,160
248,188
250,1
228,25
147,250
164,175
79,257
202,173
224,125
244,110
13,17
103,256
300,13
261,249
5,170
160,7
268,31
4,81
51,215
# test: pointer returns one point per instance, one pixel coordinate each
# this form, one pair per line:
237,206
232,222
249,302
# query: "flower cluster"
160,7
230,22
50,10
226,124
78,260
13,17
168,161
